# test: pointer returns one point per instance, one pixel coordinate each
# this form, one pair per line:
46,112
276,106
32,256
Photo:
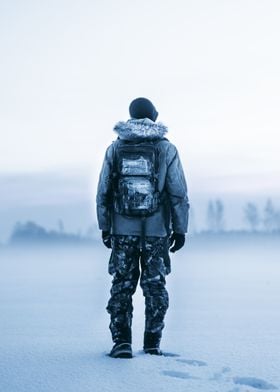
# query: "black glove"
106,238
177,240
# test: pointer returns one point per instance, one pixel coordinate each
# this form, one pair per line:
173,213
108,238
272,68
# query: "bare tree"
251,215
270,216
215,216
219,215
211,216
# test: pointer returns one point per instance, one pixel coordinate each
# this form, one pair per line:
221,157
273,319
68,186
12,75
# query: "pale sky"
69,70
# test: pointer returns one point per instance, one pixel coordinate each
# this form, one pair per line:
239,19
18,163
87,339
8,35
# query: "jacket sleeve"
176,188
105,192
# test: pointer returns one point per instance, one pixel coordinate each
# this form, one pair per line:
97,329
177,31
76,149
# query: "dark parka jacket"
173,213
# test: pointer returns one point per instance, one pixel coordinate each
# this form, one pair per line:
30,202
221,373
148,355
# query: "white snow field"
222,328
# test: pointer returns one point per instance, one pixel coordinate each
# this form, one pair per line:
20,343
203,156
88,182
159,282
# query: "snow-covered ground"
222,329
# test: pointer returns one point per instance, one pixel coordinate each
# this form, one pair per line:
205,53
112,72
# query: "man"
142,210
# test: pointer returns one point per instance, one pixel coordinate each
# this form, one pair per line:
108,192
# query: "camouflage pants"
125,262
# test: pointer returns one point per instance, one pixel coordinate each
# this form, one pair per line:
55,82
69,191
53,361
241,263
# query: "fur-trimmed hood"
140,129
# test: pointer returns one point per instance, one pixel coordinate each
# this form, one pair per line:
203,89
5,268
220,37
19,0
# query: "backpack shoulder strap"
115,145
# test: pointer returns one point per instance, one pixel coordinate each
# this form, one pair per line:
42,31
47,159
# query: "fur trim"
140,129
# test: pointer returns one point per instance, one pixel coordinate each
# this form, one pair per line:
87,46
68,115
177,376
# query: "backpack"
135,178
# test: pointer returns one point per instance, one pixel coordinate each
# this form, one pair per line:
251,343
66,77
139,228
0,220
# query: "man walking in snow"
142,210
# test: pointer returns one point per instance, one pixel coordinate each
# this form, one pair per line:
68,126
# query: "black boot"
152,343
121,350
122,339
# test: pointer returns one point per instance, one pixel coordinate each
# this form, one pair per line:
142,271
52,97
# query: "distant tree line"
31,232
267,220
256,220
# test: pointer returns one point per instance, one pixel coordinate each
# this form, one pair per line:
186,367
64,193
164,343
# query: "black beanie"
142,108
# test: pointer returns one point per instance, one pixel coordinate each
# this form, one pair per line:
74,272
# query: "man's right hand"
106,238
177,240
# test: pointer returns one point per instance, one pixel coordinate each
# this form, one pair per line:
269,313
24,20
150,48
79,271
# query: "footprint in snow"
184,375
176,374
253,382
